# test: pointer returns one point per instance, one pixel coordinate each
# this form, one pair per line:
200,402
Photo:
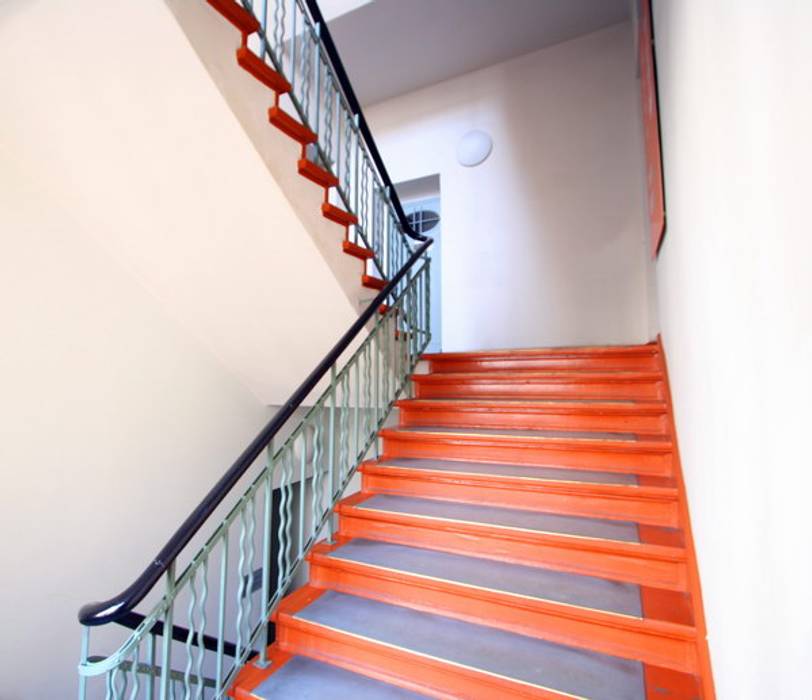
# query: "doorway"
421,204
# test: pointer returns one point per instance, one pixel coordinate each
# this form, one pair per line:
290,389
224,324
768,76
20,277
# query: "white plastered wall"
544,243
735,303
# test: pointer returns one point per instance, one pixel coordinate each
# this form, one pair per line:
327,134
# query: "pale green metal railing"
211,614
234,582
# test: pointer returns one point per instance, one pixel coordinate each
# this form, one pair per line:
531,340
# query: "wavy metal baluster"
328,119
317,497
347,154
221,614
294,7
245,570
190,614
289,515
306,70
136,662
356,185
367,394
279,19
302,490
343,430
357,417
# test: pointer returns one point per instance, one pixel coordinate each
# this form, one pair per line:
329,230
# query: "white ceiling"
394,46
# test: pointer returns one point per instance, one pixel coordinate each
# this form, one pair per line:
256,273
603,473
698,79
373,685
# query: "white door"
424,216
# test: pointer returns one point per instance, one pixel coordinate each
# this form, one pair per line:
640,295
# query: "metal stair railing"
212,614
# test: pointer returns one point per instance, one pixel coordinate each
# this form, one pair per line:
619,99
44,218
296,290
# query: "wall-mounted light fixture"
474,148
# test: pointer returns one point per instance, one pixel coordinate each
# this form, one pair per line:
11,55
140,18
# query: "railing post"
266,560
150,686
82,660
166,655
331,454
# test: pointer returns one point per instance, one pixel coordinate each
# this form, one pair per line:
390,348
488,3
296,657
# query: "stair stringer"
216,42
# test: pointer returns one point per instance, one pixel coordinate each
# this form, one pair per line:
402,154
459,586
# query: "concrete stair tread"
512,470
525,581
466,645
303,678
509,518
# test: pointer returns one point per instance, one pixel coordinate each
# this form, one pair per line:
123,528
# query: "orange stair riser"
288,125
644,640
338,215
527,420
399,666
581,457
643,364
539,389
262,71
623,561
550,497
238,16
316,174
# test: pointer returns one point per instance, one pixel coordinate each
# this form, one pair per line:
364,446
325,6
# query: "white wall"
115,115
114,422
149,275
735,300
543,244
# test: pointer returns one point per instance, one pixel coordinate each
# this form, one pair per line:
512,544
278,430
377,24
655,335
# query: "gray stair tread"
548,434
598,528
527,581
308,679
565,669
516,470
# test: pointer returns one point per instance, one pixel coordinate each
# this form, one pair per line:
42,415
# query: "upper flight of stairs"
288,124
523,534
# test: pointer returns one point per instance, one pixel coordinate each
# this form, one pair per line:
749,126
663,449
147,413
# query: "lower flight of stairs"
524,534
283,120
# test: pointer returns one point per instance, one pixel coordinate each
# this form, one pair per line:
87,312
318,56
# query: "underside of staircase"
524,534
285,121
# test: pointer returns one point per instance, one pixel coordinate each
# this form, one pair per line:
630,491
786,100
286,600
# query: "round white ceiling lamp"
474,148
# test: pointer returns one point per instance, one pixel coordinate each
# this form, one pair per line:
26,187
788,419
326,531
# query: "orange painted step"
656,558
398,645
338,215
646,456
636,357
362,253
648,418
538,384
234,13
287,124
652,500
262,71
314,173
585,612
371,282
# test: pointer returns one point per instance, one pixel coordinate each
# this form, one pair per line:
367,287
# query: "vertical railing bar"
83,654
302,480
294,7
166,655
150,686
331,450
221,618
266,555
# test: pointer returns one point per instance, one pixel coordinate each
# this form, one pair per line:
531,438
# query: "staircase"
524,533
